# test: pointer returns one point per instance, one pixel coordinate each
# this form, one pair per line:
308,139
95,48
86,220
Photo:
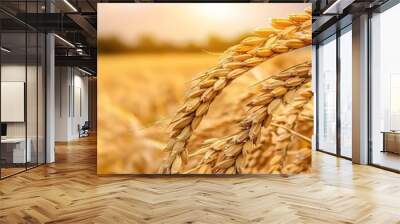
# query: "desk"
391,141
17,149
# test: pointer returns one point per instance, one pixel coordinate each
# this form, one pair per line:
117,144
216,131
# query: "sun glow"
217,12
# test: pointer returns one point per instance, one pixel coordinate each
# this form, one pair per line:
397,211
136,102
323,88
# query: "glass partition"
327,95
23,92
14,153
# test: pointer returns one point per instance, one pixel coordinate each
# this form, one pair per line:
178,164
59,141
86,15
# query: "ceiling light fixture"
84,71
337,7
5,50
70,5
64,40
79,51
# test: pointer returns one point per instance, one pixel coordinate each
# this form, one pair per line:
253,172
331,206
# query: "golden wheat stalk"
271,159
227,155
298,152
227,118
284,35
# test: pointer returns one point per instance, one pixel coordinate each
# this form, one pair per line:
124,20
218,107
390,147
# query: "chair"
84,130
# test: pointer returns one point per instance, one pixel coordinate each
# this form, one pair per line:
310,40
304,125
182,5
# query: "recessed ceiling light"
64,40
84,71
70,5
5,50
338,6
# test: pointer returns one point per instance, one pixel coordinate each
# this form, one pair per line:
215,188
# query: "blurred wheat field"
137,96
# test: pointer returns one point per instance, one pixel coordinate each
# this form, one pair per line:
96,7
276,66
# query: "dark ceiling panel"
78,61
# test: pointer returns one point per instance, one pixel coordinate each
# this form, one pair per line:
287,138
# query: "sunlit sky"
183,22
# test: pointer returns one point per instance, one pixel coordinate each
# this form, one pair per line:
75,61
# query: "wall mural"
204,88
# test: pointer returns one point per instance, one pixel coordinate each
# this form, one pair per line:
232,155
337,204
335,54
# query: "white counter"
19,155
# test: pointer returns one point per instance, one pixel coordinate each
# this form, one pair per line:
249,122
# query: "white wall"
33,127
80,110
12,73
62,81
71,94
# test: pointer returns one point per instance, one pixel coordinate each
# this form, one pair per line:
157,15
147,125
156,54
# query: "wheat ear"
298,152
226,155
284,35
271,156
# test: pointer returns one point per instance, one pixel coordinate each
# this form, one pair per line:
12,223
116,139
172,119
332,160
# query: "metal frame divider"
37,91
0,93
316,97
338,67
26,88
369,90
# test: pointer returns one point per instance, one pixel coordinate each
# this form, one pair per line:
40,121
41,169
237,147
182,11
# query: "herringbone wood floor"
69,191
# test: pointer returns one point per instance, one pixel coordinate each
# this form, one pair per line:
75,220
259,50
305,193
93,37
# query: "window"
346,92
385,89
327,96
